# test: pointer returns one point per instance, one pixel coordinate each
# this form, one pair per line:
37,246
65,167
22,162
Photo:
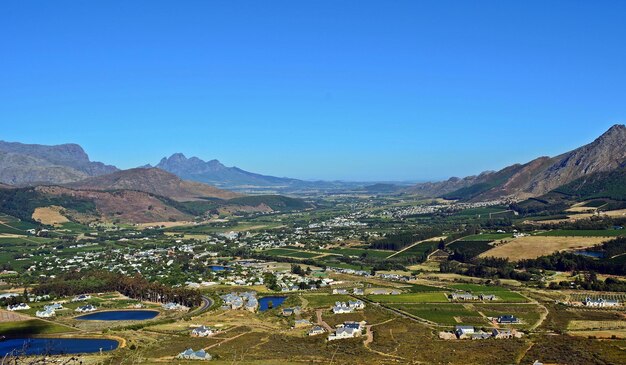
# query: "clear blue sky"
353,90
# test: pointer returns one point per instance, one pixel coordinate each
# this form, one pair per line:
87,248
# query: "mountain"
154,181
537,177
30,164
215,173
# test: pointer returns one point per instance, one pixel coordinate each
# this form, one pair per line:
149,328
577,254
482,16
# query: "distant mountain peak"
215,173
24,164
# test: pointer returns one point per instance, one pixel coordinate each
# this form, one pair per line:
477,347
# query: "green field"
529,314
379,254
585,233
503,294
418,250
418,288
443,314
433,297
487,237
290,253
32,327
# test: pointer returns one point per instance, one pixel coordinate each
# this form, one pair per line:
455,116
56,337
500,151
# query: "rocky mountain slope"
215,173
31,164
538,177
154,181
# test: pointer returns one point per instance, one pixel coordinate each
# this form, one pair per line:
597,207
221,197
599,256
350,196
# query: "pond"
594,254
121,315
55,346
219,268
265,301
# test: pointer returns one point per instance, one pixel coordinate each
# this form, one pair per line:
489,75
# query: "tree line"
135,287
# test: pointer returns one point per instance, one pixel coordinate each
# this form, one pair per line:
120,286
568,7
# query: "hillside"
538,177
30,164
607,189
153,181
87,206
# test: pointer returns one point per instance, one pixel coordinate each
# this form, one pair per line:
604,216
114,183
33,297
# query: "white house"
316,330
81,298
190,354
202,331
18,307
86,308
600,303
464,330
46,313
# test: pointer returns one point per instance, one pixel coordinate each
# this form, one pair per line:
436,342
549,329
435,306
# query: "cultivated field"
49,215
531,247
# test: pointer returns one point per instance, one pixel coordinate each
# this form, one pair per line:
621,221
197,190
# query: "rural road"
206,304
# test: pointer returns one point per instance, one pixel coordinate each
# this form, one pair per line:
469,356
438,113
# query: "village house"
81,298
600,303
463,296
507,319
463,331
46,313
340,291
202,331
316,330
291,311
18,307
190,354
86,308
347,330
358,291
171,306
499,333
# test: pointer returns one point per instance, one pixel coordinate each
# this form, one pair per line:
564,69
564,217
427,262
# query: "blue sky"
353,90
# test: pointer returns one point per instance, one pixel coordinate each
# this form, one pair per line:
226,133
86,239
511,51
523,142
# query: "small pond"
276,301
219,268
594,254
55,346
120,315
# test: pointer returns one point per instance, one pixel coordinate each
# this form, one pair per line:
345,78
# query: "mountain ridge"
539,176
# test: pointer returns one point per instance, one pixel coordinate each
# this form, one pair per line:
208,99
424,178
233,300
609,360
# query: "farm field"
531,247
291,253
435,297
380,254
529,314
418,250
444,314
583,233
487,237
503,294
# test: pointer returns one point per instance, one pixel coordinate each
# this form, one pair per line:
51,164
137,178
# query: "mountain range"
178,187
537,177
215,173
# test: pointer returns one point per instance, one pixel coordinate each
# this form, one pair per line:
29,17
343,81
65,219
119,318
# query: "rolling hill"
154,181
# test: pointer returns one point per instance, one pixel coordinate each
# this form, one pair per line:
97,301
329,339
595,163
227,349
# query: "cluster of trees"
136,287
590,281
489,268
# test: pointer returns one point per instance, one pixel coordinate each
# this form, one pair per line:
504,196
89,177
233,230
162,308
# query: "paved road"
206,304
